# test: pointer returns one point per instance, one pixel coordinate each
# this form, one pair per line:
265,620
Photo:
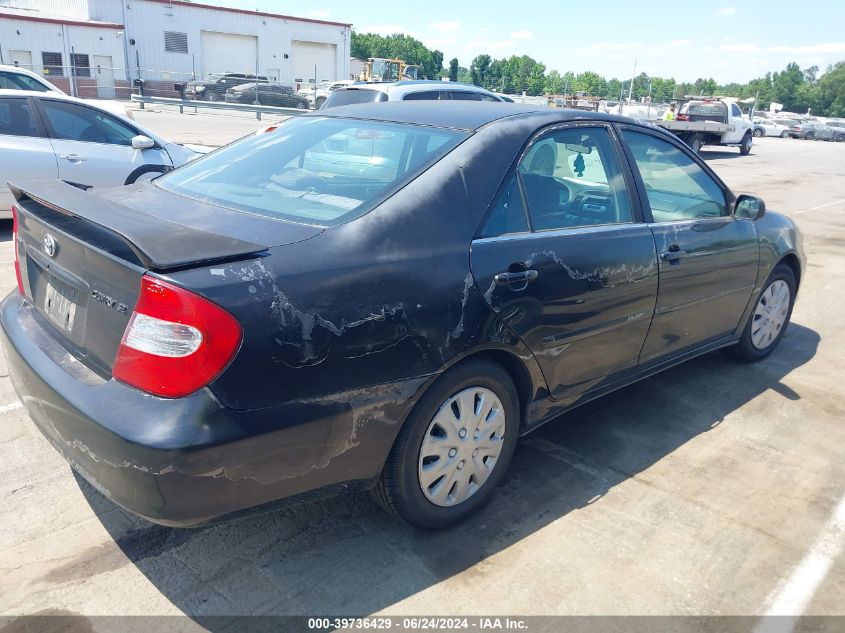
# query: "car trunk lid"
82,257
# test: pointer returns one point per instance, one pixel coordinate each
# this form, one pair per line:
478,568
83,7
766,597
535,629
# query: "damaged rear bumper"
188,461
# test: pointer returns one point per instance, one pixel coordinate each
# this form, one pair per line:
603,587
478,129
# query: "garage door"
228,53
306,55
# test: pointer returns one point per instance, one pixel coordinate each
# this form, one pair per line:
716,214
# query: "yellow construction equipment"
379,69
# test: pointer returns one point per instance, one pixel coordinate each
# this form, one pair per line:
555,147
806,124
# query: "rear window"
351,96
714,107
313,170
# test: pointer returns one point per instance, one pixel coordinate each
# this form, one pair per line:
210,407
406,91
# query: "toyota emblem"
50,245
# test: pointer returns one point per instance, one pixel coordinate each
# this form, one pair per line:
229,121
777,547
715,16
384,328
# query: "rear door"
565,260
94,148
708,259
25,152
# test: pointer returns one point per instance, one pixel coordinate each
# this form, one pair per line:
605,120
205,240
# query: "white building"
105,44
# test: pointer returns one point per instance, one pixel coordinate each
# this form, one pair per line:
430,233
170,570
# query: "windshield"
351,96
313,170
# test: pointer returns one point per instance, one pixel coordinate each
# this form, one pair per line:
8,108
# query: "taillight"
176,341
15,240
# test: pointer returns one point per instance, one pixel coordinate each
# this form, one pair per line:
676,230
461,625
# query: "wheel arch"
791,260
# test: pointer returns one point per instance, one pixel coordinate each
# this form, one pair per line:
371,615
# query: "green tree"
398,46
479,68
831,91
554,83
453,69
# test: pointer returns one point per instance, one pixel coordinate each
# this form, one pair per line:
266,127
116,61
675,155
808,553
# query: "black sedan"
380,296
268,94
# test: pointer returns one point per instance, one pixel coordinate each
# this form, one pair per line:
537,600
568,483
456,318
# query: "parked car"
263,322
812,130
838,130
215,87
317,96
268,94
51,135
409,91
772,127
17,78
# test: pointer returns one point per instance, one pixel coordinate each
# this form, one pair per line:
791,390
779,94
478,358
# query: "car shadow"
716,154
345,556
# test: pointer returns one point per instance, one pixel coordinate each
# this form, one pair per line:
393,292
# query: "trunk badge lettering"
50,245
108,301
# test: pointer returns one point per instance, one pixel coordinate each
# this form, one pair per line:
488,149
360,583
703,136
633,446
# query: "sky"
729,40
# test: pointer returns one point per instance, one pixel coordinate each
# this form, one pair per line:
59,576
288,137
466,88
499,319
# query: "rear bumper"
188,461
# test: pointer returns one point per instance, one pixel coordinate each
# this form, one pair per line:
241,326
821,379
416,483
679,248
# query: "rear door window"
465,95
425,95
16,118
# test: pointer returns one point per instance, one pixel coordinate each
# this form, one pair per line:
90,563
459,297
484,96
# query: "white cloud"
725,11
445,27
320,14
524,34
483,29
679,43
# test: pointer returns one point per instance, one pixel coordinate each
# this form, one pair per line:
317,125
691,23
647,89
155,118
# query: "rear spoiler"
158,244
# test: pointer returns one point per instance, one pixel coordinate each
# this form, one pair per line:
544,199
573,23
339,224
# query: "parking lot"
713,488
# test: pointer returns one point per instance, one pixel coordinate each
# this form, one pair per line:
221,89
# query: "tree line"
798,90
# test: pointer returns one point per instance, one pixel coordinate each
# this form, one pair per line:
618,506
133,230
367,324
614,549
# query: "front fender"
779,238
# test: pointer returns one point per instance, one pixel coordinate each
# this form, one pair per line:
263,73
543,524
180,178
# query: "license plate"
60,304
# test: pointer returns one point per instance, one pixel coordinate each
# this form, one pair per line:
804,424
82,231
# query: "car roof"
407,86
459,115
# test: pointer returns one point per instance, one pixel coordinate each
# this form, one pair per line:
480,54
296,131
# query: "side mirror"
142,142
749,207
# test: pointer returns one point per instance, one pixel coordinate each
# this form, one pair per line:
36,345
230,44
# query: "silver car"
409,91
47,135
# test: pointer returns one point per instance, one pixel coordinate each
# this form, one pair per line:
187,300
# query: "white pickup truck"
712,122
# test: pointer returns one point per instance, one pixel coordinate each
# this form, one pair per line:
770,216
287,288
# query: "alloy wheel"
770,314
461,446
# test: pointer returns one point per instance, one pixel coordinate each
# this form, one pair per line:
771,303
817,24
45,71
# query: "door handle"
522,276
74,158
672,255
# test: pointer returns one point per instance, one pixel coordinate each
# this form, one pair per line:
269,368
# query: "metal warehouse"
98,47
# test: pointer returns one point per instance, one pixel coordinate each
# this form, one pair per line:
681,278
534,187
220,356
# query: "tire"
758,133
211,96
751,346
745,148
319,103
811,136
784,134
840,138
696,144
400,489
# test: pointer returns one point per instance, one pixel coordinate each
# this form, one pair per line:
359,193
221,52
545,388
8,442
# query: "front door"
94,148
104,73
708,259
565,261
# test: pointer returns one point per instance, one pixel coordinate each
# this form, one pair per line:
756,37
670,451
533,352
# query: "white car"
774,127
17,78
317,97
46,135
